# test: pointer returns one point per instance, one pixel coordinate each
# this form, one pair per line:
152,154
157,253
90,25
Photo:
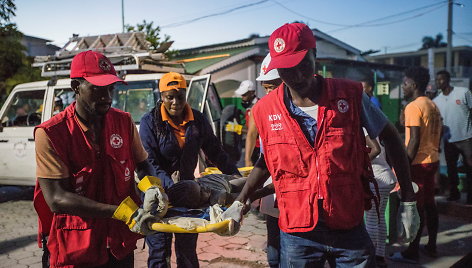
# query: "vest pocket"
345,202
79,241
283,156
340,151
295,204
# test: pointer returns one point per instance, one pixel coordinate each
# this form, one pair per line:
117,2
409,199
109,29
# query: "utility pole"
123,15
449,37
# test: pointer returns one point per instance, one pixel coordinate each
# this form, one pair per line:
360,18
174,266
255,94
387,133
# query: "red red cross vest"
246,117
106,176
330,170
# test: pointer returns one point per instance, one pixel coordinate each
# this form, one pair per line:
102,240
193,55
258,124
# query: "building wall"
329,50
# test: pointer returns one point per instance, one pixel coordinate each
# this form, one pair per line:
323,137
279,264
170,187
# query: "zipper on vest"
318,178
320,196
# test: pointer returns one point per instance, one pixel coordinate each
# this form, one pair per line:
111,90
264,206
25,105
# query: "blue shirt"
376,102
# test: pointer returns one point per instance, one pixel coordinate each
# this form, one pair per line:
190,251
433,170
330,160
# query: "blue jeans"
273,241
344,248
160,250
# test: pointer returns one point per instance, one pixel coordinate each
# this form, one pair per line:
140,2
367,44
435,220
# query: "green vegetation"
15,66
153,36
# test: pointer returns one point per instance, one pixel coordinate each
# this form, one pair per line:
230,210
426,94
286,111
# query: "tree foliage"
152,35
11,50
433,42
7,10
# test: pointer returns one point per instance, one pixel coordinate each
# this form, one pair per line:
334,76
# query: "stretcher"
225,228
219,227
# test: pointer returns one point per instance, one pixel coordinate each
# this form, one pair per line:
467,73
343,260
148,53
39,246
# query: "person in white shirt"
455,105
386,182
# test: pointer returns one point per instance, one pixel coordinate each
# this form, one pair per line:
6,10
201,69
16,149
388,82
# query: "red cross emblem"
264,69
279,45
458,102
343,106
104,65
116,141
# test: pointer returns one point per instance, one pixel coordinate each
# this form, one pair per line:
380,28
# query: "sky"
385,25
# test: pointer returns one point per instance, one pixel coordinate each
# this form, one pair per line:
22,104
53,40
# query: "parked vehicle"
30,104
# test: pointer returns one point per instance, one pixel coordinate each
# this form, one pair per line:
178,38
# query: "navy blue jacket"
166,155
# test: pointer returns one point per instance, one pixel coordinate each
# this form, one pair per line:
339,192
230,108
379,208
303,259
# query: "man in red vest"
86,157
314,149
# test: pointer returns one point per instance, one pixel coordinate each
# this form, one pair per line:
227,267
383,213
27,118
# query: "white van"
30,104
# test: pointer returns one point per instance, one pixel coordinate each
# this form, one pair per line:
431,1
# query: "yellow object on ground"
213,170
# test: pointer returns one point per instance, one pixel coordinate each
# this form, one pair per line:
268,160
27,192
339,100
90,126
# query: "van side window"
136,98
25,109
63,97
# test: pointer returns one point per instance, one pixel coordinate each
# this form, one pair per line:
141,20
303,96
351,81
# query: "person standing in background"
269,81
386,182
247,92
455,104
422,137
368,86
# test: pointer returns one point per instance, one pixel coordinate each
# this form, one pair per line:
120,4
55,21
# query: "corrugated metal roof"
197,62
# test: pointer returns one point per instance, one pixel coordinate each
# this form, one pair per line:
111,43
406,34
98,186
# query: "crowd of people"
325,161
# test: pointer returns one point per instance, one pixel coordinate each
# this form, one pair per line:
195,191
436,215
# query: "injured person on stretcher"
199,205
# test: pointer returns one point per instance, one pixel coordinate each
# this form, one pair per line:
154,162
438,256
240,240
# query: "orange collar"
187,117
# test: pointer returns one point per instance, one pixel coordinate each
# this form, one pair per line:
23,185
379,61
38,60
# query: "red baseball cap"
289,44
95,68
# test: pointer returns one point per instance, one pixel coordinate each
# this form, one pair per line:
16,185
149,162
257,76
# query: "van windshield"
137,98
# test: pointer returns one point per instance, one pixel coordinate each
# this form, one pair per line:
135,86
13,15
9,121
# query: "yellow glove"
136,218
155,199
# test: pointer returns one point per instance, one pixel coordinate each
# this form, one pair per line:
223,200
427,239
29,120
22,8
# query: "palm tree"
430,42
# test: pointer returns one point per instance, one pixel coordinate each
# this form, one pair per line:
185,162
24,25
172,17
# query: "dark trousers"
452,151
273,241
160,250
423,176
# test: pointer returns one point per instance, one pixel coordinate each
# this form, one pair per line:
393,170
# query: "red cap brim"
104,80
286,61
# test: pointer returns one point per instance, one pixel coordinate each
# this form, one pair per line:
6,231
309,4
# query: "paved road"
18,246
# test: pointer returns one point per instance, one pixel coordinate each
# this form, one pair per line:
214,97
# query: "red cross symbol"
278,45
343,106
116,140
264,69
